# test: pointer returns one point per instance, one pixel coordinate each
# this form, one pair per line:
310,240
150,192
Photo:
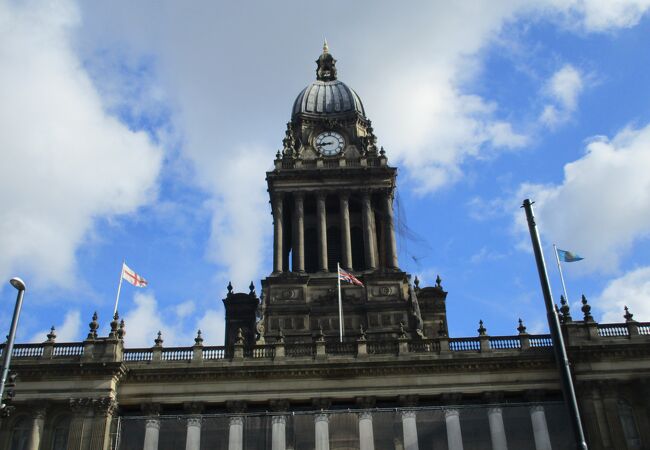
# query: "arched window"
60,431
20,434
630,430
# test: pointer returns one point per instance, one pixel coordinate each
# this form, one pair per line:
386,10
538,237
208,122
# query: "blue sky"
143,131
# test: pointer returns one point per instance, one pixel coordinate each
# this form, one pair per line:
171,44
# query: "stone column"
366,435
278,234
454,435
322,432
298,233
540,430
497,430
36,432
321,212
80,408
389,224
369,239
346,241
100,434
236,433
152,429
278,433
193,435
409,430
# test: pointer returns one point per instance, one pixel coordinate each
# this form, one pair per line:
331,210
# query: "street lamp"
20,286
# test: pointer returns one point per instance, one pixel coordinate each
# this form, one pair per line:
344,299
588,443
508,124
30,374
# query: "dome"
328,98
327,95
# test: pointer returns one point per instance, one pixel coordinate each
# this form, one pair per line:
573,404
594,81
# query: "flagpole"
338,277
559,266
119,288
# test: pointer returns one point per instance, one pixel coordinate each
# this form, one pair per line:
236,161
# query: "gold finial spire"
326,48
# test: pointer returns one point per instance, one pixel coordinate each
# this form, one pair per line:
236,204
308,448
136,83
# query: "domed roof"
327,95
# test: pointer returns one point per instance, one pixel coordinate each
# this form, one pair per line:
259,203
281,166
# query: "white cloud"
69,331
563,89
632,290
66,162
602,15
145,320
185,309
603,204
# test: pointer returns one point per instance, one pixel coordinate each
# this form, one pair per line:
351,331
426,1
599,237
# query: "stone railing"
105,349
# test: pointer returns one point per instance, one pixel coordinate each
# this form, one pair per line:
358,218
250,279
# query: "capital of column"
279,420
451,413
236,420
105,406
153,422
536,409
495,410
321,417
38,412
80,406
194,421
365,415
408,414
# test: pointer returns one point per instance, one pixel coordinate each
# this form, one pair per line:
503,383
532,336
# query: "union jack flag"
345,276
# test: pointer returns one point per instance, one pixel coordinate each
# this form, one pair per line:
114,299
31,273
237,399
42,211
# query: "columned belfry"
331,195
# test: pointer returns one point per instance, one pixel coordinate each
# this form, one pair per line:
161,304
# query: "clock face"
330,143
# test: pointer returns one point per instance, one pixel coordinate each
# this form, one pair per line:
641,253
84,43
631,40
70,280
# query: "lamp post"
20,286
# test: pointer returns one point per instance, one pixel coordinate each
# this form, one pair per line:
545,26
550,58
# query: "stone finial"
438,282
159,340
278,156
51,336
114,324
320,337
416,283
481,329
251,288
586,309
628,315
198,340
280,336
229,287
240,336
362,333
565,310
382,152
121,331
521,328
93,325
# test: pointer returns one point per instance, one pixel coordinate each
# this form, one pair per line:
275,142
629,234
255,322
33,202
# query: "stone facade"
287,378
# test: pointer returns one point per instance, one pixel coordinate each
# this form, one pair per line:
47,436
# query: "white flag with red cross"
129,275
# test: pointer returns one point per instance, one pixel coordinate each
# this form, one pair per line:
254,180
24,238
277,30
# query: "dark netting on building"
390,428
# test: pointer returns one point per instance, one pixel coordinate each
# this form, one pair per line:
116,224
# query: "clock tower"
331,193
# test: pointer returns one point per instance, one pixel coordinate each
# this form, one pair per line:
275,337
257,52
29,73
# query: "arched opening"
20,434
333,247
60,432
358,249
628,422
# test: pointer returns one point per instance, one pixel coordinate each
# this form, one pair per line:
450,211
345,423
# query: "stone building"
286,380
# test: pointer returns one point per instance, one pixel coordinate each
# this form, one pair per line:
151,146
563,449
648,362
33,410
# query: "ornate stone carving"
194,421
105,406
365,415
153,422
451,413
408,414
236,420
322,417
279,420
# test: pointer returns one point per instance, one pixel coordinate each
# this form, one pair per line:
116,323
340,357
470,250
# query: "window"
20,434
630,430
60,432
